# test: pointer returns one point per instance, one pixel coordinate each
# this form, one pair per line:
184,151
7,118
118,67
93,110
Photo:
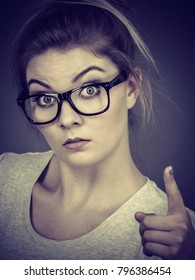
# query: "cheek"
49,134
113,122
118,108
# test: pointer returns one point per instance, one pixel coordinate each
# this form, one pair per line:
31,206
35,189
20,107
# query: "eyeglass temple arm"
119,79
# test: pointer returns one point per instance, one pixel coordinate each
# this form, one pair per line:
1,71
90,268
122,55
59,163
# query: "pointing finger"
175,200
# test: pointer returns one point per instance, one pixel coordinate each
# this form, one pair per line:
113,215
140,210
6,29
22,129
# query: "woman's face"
82,140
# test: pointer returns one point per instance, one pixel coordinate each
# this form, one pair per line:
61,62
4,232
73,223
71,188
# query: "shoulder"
17,167
21,160
150,198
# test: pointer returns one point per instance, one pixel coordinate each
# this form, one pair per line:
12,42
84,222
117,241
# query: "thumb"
139,216
175,200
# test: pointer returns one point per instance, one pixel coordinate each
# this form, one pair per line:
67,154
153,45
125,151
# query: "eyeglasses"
88,100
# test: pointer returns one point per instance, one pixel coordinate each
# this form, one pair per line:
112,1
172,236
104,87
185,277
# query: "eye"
45,100
89,92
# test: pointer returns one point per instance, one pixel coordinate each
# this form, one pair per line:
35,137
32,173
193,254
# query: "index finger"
175,200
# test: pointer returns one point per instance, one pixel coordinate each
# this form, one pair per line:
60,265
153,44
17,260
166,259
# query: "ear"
133,87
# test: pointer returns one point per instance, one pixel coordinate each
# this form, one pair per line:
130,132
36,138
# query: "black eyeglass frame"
66,96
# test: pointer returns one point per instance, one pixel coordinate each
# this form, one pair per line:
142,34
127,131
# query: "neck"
100,183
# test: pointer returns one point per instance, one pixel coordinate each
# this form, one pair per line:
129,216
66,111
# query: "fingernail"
171,171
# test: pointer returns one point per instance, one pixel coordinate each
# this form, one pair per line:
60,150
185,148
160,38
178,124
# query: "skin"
105,161
171,236
60,197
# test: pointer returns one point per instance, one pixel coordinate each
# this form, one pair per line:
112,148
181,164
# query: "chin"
81,160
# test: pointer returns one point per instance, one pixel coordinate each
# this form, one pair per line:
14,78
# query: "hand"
171,236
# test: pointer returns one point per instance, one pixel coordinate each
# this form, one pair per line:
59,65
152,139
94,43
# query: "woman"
83,74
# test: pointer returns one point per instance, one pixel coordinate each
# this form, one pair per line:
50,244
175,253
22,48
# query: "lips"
76,143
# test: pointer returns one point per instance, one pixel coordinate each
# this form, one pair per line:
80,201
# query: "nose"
68,117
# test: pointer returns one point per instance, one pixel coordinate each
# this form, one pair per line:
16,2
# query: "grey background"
168,29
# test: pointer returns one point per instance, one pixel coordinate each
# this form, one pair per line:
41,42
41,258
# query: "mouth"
76,143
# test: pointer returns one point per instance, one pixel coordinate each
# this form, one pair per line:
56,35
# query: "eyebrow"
35,81
84,72
74,80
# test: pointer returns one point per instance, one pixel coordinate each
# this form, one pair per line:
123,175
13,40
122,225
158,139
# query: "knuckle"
146,235
147,249
179,239
183,227
174,252
144,238
147,246
141,229
146,221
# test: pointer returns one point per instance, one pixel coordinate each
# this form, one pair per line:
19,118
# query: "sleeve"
192,216
2,157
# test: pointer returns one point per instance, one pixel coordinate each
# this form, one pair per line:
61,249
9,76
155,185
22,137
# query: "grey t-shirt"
115,238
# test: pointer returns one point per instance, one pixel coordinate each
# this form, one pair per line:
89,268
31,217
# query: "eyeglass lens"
88,100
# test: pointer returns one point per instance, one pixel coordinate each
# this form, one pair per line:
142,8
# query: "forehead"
54,65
